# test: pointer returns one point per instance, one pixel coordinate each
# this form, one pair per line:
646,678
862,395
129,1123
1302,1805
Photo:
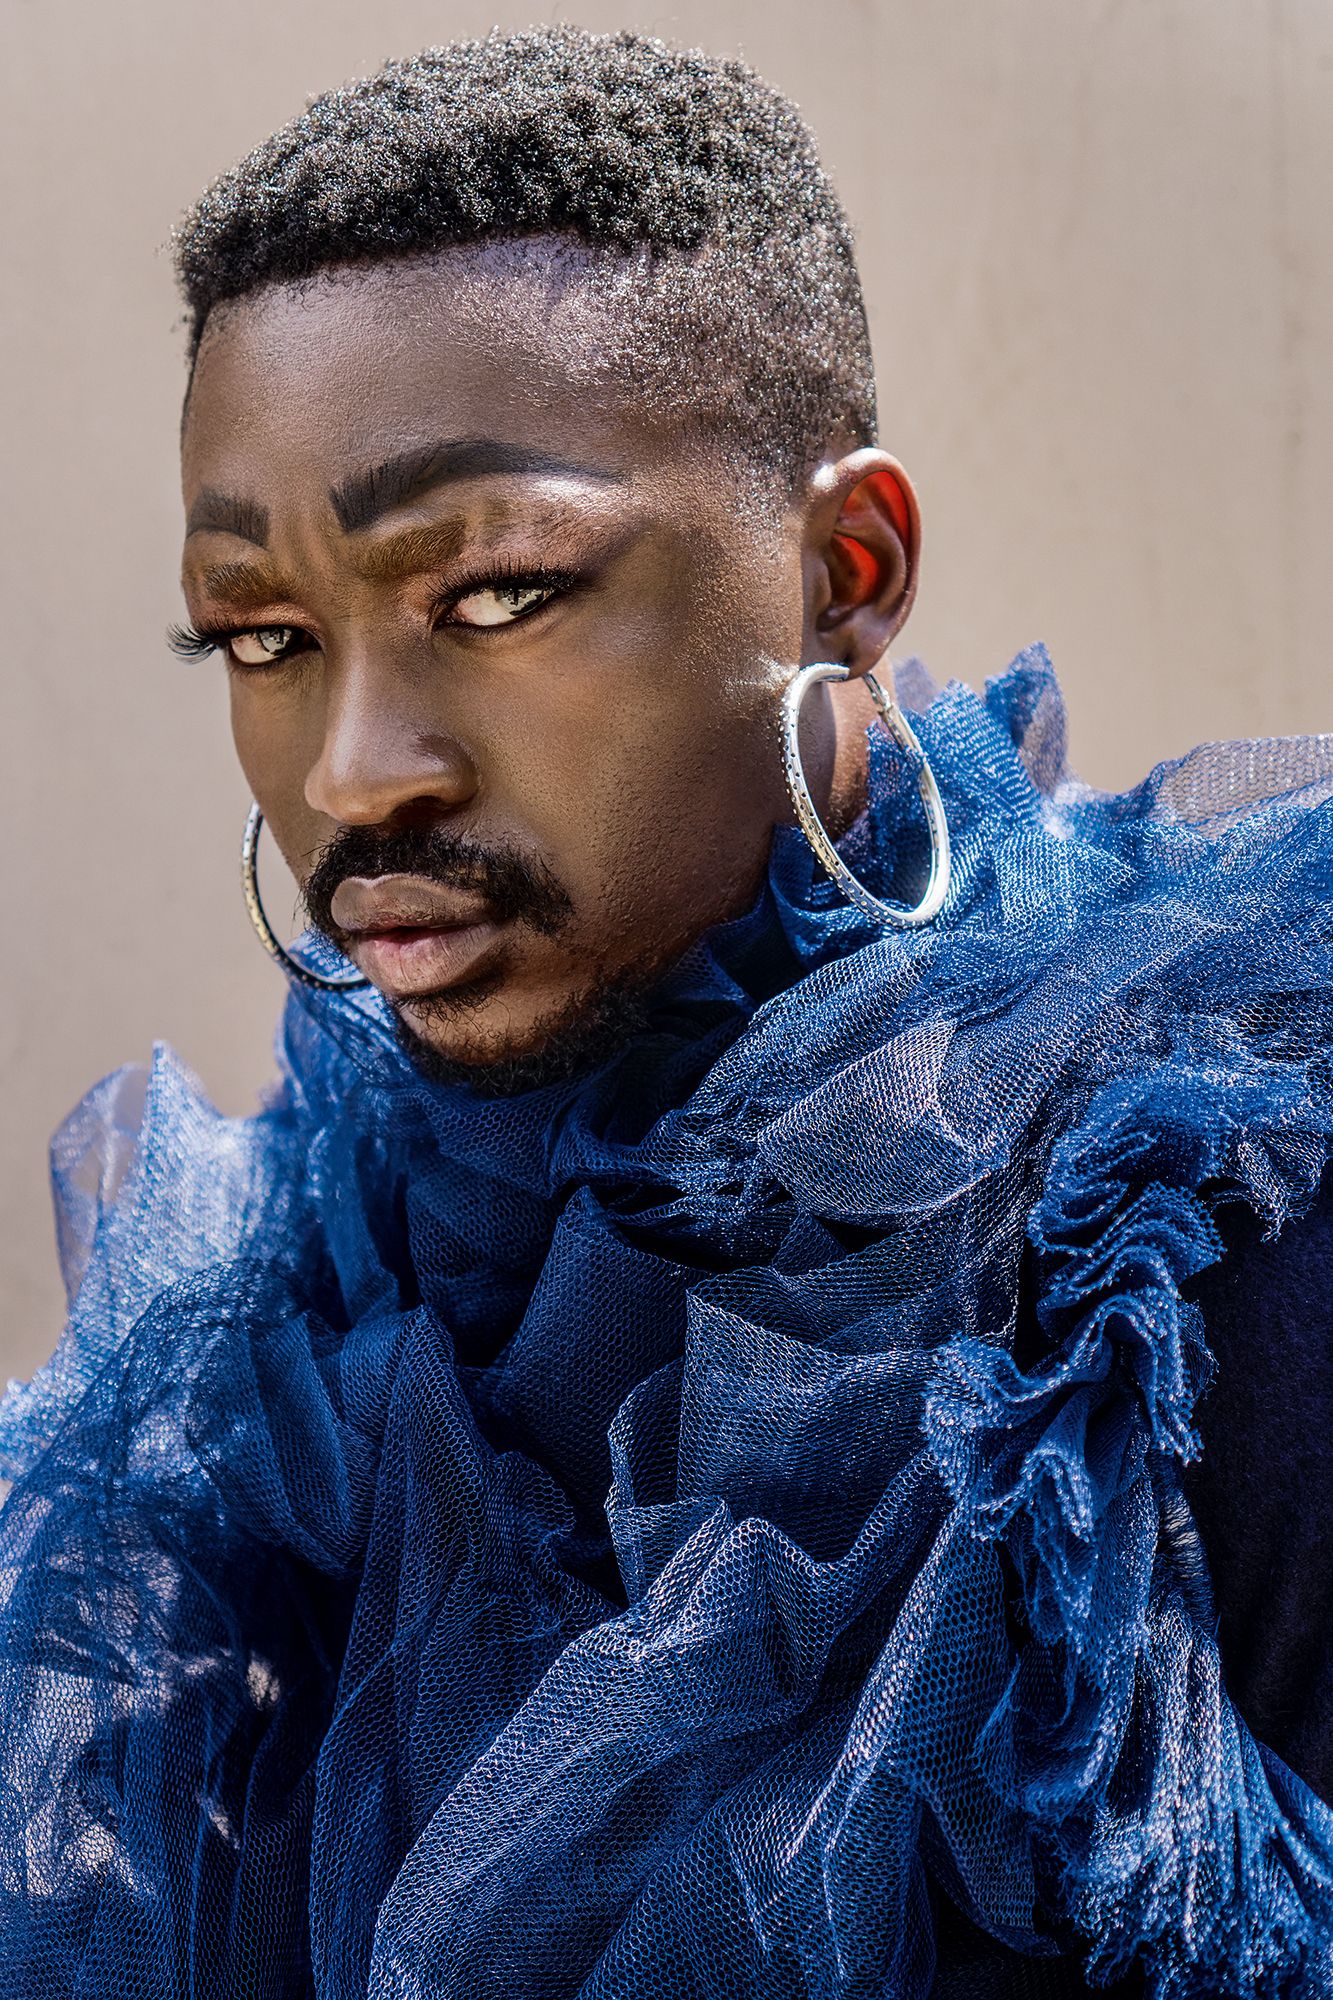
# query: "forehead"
358,366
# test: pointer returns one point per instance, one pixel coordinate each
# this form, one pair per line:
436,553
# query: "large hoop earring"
891,915
267,937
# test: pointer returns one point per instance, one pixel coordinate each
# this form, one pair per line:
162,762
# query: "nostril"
392,795
419,813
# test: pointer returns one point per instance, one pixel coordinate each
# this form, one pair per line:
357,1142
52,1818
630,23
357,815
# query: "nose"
386,753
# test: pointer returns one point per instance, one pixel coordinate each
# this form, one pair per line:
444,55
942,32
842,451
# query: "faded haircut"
690,193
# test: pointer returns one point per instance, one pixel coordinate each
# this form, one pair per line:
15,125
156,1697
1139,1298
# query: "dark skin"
570,648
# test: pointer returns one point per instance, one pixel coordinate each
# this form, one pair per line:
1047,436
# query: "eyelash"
190,642
187,642
508,576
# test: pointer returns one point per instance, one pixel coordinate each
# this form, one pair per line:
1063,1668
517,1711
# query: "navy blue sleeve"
1262,1493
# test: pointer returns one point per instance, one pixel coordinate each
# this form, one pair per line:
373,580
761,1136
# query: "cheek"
274,735
251,747
658,806
650,765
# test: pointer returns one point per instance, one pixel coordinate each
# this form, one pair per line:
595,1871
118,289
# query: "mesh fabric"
605,1543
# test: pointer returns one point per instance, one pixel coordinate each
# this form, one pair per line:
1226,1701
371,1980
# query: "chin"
565,1044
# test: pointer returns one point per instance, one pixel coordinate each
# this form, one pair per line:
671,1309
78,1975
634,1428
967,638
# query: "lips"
411,936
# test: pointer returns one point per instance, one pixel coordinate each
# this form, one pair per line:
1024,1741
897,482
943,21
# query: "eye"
500,604
265,644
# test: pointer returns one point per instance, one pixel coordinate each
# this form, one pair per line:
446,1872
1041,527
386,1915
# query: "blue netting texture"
605,1543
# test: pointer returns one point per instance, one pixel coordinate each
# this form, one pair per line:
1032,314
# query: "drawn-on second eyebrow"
229,514
244,585
361,500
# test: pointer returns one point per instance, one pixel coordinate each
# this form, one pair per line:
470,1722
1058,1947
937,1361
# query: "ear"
863,535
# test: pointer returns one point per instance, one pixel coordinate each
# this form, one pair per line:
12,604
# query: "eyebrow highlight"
242,585
229,514
411,552
362,499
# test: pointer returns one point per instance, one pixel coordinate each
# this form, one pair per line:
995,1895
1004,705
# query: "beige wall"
1097,245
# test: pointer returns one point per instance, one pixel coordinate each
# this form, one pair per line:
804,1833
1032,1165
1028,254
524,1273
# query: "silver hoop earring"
891,915
250,885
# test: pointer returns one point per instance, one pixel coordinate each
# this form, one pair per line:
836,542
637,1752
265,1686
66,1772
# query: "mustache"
517,886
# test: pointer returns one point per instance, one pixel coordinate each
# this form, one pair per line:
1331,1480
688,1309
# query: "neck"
853,712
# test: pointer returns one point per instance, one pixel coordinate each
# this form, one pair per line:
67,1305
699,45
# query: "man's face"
504,656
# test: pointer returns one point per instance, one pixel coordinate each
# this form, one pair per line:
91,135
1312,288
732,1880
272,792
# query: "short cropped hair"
688,173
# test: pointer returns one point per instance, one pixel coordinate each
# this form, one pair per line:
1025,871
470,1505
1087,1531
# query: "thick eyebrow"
361,500
231,514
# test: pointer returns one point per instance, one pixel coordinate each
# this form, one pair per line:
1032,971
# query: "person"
675,1454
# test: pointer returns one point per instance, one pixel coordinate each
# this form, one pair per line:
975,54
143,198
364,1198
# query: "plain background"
1095,236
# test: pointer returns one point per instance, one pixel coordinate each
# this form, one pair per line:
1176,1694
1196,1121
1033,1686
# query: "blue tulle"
609,1542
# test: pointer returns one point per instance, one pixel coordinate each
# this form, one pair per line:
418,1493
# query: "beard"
595,1025
594,1028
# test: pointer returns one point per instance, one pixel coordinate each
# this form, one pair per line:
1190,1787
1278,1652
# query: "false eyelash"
188,644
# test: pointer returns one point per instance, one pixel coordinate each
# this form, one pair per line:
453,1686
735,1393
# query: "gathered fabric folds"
708,1528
